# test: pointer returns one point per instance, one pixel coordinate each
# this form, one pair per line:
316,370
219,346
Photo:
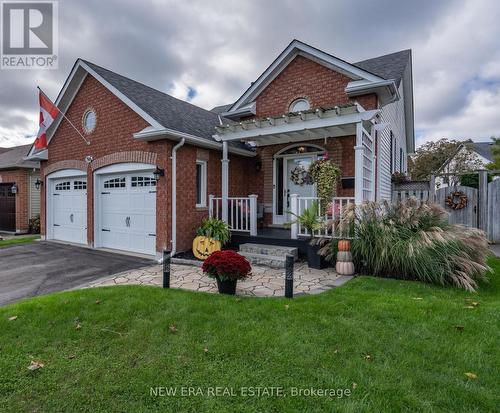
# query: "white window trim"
204,174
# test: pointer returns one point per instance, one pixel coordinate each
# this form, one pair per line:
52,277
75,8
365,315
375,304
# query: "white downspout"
174,195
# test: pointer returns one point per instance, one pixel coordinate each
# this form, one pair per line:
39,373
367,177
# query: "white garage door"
69,209
128,212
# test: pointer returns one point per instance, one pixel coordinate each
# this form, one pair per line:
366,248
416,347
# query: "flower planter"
226,287
314,260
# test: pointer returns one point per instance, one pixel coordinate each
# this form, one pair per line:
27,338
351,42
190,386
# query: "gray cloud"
219,47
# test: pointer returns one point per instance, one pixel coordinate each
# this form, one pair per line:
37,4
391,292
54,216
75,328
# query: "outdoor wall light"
13,189
158,173
38,184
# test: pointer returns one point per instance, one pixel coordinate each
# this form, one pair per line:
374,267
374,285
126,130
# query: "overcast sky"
209,51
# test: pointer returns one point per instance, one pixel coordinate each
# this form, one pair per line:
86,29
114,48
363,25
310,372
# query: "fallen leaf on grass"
173,329
14,317
335,351
72,356
354,385
470,307
78,326
460,328
35,365
368,357
98,301
205,350
471,376
287,306
417,298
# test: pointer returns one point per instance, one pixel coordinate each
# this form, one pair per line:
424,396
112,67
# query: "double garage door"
125,211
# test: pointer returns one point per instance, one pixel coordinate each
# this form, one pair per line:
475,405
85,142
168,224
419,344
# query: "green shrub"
414,241
216,229
34,224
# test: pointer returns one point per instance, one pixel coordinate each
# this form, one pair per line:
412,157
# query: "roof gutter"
174,195
158,134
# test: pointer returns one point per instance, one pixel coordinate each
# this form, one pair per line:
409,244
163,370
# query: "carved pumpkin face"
204,246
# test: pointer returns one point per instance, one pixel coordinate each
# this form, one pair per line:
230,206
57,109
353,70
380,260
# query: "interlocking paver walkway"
264,282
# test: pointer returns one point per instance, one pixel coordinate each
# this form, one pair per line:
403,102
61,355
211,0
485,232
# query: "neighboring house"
481,154
144,182
19,198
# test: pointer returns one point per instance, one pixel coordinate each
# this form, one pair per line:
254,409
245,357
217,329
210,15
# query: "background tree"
431,156
495,151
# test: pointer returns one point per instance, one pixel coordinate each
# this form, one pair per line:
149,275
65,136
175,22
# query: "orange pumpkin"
344,245
204,246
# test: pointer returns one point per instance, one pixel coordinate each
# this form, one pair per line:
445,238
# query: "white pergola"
320,123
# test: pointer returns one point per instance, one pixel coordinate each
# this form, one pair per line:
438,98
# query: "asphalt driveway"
43,267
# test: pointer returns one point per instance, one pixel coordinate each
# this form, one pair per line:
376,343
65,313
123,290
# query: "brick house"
19,197
156,165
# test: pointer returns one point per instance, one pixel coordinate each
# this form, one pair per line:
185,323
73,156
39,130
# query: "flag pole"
64,116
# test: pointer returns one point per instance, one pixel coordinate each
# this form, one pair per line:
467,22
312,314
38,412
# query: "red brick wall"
112,142
303,77
20,177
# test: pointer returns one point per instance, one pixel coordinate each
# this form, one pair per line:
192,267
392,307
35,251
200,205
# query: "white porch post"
358,165
374,163
253,215
225,181
211,206
294,209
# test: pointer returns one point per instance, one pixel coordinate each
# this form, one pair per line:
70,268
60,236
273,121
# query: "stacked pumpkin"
344,265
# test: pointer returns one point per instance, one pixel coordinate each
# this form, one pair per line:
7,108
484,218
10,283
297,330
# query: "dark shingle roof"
389,66
14,158
221,109
170,112
484,149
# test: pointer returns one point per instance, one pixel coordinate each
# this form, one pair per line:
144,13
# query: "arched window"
299,105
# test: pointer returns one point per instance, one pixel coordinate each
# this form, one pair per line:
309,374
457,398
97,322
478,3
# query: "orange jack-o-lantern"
344,245
204,246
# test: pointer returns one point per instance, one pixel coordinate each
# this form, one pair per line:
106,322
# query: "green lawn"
19,240
397,345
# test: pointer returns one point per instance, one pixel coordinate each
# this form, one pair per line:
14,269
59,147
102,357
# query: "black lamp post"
38,184
158,173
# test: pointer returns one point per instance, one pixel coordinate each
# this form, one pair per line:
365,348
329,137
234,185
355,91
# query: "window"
201,183
63,186
89,120
299,149
299,105
115,183
138,181
79,185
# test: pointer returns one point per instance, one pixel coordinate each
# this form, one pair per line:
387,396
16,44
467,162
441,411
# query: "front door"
292,177
7,208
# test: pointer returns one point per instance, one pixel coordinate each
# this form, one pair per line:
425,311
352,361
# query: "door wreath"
456,200
299,176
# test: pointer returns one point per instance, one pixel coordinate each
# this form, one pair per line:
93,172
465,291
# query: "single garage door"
127,211
69,209
7,208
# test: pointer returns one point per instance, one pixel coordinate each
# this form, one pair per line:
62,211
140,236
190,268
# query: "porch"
297,138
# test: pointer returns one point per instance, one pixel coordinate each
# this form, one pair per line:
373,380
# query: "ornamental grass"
412,240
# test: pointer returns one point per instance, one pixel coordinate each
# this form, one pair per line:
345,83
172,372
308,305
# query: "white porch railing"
241,212
330,218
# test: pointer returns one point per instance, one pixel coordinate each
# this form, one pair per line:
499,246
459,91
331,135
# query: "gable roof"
168,111
15,158
389,66
295,48
484,149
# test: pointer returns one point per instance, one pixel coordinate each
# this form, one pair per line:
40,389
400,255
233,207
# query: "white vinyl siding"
34,195
393,115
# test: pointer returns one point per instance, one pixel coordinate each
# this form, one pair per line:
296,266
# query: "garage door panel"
129,212
69,209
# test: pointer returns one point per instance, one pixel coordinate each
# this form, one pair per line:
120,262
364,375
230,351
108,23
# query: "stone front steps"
273,256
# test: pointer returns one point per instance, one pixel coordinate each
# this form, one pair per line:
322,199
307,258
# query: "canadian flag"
48,112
